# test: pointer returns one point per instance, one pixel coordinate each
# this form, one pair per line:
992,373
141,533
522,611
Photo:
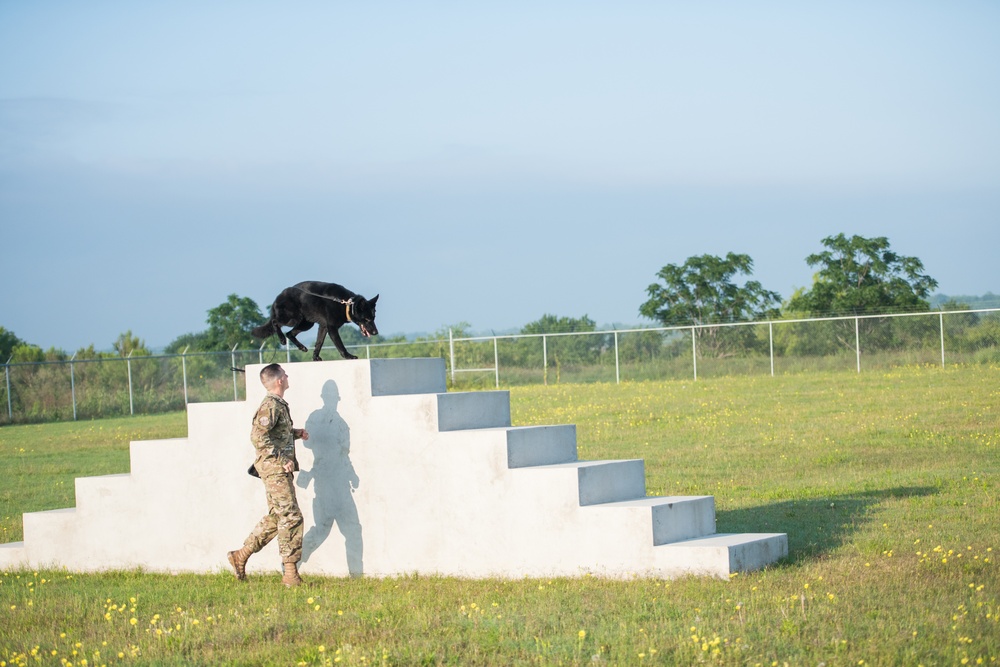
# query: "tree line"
854,276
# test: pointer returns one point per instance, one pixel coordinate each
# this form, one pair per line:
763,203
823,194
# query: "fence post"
694,354
545,360
857,340
6,372
184,374
236,393
941,315
451,352
496,361
618,377
128,363
770,338
72,384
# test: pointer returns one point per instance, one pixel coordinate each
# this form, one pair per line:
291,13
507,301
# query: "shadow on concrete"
815,526
334,480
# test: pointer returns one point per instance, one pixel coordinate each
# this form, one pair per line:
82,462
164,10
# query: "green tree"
8,341
127,343
561,349
701,292
859,276
189,341
27,353
90,352
552,324
230,322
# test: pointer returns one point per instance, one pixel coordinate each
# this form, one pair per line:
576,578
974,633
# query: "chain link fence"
114,386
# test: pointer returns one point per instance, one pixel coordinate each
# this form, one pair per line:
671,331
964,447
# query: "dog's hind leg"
297,329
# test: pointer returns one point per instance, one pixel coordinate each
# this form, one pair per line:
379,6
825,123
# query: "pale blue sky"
477,162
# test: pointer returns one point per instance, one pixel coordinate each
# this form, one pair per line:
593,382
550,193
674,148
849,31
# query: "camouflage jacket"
273,437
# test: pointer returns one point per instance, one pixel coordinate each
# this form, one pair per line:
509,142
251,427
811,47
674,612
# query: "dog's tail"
265,330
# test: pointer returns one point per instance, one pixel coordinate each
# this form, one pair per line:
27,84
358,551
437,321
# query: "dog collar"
347,306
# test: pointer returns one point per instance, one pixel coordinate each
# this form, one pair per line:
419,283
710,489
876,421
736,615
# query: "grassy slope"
885,483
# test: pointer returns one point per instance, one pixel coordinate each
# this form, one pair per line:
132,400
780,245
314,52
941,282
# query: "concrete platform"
399,477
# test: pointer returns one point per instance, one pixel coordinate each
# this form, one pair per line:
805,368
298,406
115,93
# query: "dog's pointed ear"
372,302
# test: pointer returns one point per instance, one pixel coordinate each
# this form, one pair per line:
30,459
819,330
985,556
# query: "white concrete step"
45,534
601,481
671,518
395,377
540,445
723,554
518,446
210,422
156,458
12,555
472,410
103,491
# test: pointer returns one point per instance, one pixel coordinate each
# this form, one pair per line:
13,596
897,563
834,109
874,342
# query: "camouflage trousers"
283,519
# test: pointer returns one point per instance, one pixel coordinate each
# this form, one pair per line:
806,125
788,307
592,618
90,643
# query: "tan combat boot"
238,559
291,576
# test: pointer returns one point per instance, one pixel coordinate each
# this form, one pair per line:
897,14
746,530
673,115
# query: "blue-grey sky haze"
485,163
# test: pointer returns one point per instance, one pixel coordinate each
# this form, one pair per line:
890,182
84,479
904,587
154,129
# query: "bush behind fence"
94,388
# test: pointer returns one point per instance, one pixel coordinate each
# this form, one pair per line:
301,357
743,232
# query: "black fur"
327,304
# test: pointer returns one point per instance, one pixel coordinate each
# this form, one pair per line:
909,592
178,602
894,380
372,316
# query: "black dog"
327,304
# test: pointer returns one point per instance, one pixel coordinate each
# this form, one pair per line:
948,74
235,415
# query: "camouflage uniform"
273,437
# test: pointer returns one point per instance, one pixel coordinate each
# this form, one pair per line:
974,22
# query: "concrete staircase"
399,476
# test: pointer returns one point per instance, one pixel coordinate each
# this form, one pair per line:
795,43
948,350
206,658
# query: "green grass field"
886,483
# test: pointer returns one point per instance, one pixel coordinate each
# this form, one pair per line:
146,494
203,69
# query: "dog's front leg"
335,337
320,339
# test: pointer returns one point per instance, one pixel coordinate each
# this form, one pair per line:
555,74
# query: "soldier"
274,438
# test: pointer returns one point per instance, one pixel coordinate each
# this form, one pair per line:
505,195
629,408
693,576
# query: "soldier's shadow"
334,480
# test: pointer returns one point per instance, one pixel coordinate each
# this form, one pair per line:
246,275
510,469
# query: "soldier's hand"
289,467
305,435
